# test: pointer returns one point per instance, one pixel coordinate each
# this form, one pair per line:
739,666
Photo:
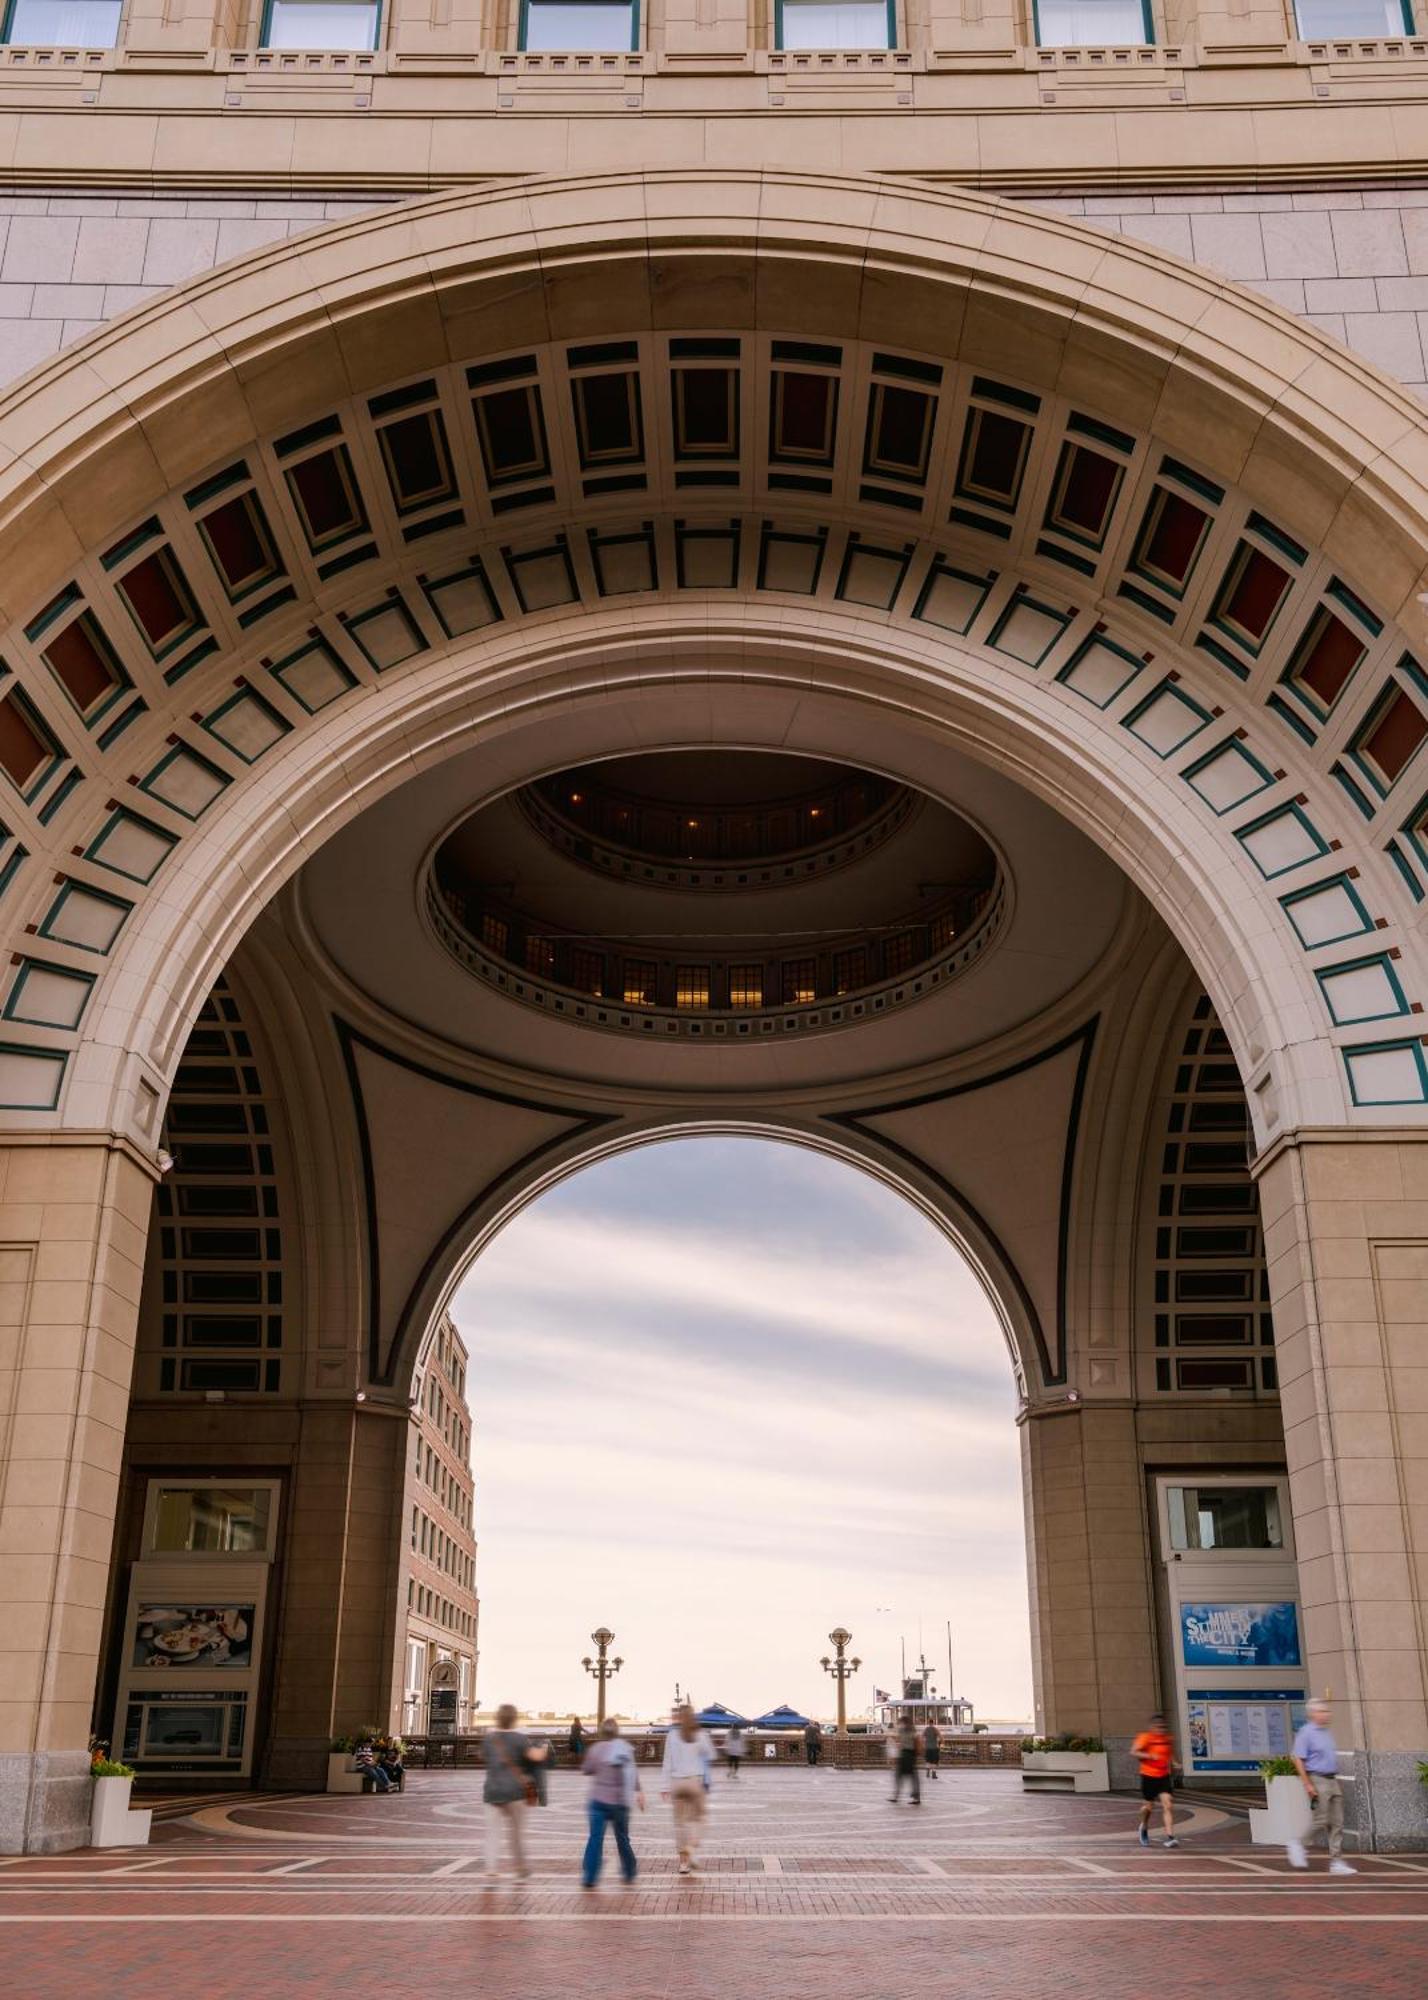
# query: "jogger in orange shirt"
1155,1748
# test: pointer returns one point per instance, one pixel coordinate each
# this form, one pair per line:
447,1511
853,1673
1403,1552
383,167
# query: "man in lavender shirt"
1316,1759
614,1788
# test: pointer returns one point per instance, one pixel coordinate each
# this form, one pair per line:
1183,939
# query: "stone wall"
1355,264
70,262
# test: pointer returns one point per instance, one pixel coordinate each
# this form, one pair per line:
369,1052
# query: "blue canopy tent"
782,1717
716,1716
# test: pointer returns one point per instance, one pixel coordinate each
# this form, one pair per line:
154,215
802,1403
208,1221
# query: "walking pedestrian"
931,1749
1155,1749
813,1743
508,1790
688,1753
614,1787
1316,1759
904,1749
734,1750
576,1741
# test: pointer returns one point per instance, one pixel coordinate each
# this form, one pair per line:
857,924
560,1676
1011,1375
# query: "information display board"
1232,1729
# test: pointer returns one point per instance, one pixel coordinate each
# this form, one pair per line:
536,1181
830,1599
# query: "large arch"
115,449
1120,533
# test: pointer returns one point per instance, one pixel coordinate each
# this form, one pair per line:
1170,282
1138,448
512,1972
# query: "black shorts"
1151,1788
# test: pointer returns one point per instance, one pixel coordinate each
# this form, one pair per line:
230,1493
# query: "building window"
800,988
580,24
746,986
1368,18
691,986
835,24
1224,1517
1062,24
210,1520
850,969
587,972
85,24
321,24
639,985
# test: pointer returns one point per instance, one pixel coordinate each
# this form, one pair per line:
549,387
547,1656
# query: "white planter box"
342,1774
1065,1771
1286,1814
111,1824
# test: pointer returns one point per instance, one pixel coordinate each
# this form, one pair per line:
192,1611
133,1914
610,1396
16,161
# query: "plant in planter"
111,1823
1065,1763
1285,1816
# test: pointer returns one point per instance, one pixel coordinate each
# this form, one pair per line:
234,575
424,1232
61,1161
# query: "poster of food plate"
193,1635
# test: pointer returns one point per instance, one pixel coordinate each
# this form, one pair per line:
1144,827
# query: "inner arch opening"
729,1392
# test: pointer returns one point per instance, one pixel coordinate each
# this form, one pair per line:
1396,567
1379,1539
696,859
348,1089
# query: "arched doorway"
766,1397
990,509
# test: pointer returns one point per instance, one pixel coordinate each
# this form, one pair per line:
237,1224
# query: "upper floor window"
321,24
580,24
1063,24
835,24
1319,19
198,1518
51,24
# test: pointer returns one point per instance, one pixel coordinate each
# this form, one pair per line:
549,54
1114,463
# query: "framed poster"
1240,1635
193,1635
1230,1730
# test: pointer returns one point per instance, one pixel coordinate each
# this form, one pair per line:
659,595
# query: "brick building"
439,1549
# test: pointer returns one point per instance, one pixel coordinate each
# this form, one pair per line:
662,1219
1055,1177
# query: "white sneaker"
1297,1857
1338,1866
684,1868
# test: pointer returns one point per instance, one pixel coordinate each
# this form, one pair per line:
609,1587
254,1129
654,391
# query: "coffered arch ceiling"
308,525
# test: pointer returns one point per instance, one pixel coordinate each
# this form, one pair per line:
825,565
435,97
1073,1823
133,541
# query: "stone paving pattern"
811,1884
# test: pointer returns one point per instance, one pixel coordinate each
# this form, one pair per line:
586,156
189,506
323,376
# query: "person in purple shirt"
1316,1759
614,1788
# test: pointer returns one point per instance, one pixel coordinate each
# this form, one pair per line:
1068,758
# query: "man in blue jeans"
614,1788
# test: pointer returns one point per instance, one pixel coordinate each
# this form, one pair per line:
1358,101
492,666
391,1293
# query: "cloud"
724,1393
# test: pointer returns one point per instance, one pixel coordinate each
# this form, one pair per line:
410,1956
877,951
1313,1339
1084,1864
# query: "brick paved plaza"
812,1884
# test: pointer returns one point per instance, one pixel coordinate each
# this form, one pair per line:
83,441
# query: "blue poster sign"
1239,1635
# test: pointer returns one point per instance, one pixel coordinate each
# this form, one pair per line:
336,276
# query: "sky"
728,1393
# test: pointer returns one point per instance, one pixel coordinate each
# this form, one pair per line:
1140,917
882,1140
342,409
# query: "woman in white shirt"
688,1754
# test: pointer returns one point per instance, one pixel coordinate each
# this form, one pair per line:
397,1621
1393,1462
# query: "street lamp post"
601,1667
842,1670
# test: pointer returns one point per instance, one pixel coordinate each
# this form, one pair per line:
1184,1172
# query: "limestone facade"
1223,775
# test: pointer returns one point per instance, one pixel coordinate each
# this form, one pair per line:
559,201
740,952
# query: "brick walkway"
811,1885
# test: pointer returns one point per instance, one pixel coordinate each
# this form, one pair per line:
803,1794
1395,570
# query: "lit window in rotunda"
691,986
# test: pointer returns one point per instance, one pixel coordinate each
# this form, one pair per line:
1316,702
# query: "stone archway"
1106,525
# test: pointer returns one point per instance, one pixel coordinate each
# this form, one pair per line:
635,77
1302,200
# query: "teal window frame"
892,41
264,43
634,6
1405,8
7,15
1147,16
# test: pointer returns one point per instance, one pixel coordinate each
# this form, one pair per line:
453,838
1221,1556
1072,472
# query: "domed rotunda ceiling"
712,903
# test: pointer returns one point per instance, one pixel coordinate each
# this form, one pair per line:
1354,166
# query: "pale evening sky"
727,1394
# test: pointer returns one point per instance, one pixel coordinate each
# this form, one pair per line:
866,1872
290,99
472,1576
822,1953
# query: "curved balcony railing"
724,848
715,995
